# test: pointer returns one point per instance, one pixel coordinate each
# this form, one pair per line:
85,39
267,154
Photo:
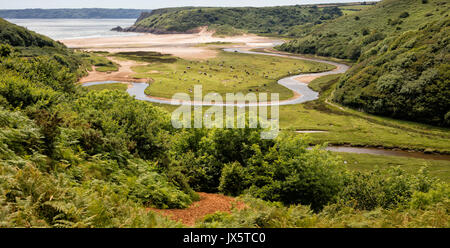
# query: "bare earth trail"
208,204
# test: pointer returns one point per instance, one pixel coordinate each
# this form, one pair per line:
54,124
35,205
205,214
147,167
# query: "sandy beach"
185,46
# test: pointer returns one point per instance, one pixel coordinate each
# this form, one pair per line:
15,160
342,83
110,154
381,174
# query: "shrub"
386,189
233,179
404,15
5,50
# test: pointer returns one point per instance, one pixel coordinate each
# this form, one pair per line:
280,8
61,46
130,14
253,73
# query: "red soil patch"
208,204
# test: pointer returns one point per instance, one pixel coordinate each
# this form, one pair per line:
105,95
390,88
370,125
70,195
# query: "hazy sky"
149,4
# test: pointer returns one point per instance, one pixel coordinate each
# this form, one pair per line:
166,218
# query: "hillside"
88,13
401,51
74,158
18,36
268,20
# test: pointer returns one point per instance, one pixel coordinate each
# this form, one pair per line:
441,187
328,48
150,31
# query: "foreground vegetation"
401,53
70,157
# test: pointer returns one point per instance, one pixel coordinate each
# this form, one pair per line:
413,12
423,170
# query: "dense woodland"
401,50
70,157
89,13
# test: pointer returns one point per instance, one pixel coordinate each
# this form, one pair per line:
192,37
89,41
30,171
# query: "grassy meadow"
115,86
227,73
347,126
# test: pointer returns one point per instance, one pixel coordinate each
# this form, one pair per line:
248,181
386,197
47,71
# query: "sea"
63,29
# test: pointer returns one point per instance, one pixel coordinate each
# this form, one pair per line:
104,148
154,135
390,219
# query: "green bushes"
233,161
233,179
5,50
293,175
141,129
384,189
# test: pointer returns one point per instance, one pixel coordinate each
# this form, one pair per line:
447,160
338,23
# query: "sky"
150,4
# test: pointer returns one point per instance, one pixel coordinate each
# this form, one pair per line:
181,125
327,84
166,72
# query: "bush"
233,179
5,50
386,189
404,15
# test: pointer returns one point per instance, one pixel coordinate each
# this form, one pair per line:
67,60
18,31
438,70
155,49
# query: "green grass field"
347,126
101,63
227,73
367,162
116,86
348,10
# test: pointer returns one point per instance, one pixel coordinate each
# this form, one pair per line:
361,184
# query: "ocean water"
61,29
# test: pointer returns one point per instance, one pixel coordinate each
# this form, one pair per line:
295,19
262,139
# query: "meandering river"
303,92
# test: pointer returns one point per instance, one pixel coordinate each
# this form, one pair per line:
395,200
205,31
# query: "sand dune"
180,45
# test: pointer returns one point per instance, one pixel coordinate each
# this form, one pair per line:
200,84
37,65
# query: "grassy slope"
335,37
257,20
401,71
18,36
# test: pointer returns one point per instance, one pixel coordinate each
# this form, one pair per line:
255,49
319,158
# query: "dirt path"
208,204
124,74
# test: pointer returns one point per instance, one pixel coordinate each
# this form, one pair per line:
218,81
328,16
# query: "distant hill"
401,50
267,20
87,13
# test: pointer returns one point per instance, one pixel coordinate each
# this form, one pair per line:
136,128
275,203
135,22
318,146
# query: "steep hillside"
18,36
349,36
405,77
89,13
402,54
268,20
